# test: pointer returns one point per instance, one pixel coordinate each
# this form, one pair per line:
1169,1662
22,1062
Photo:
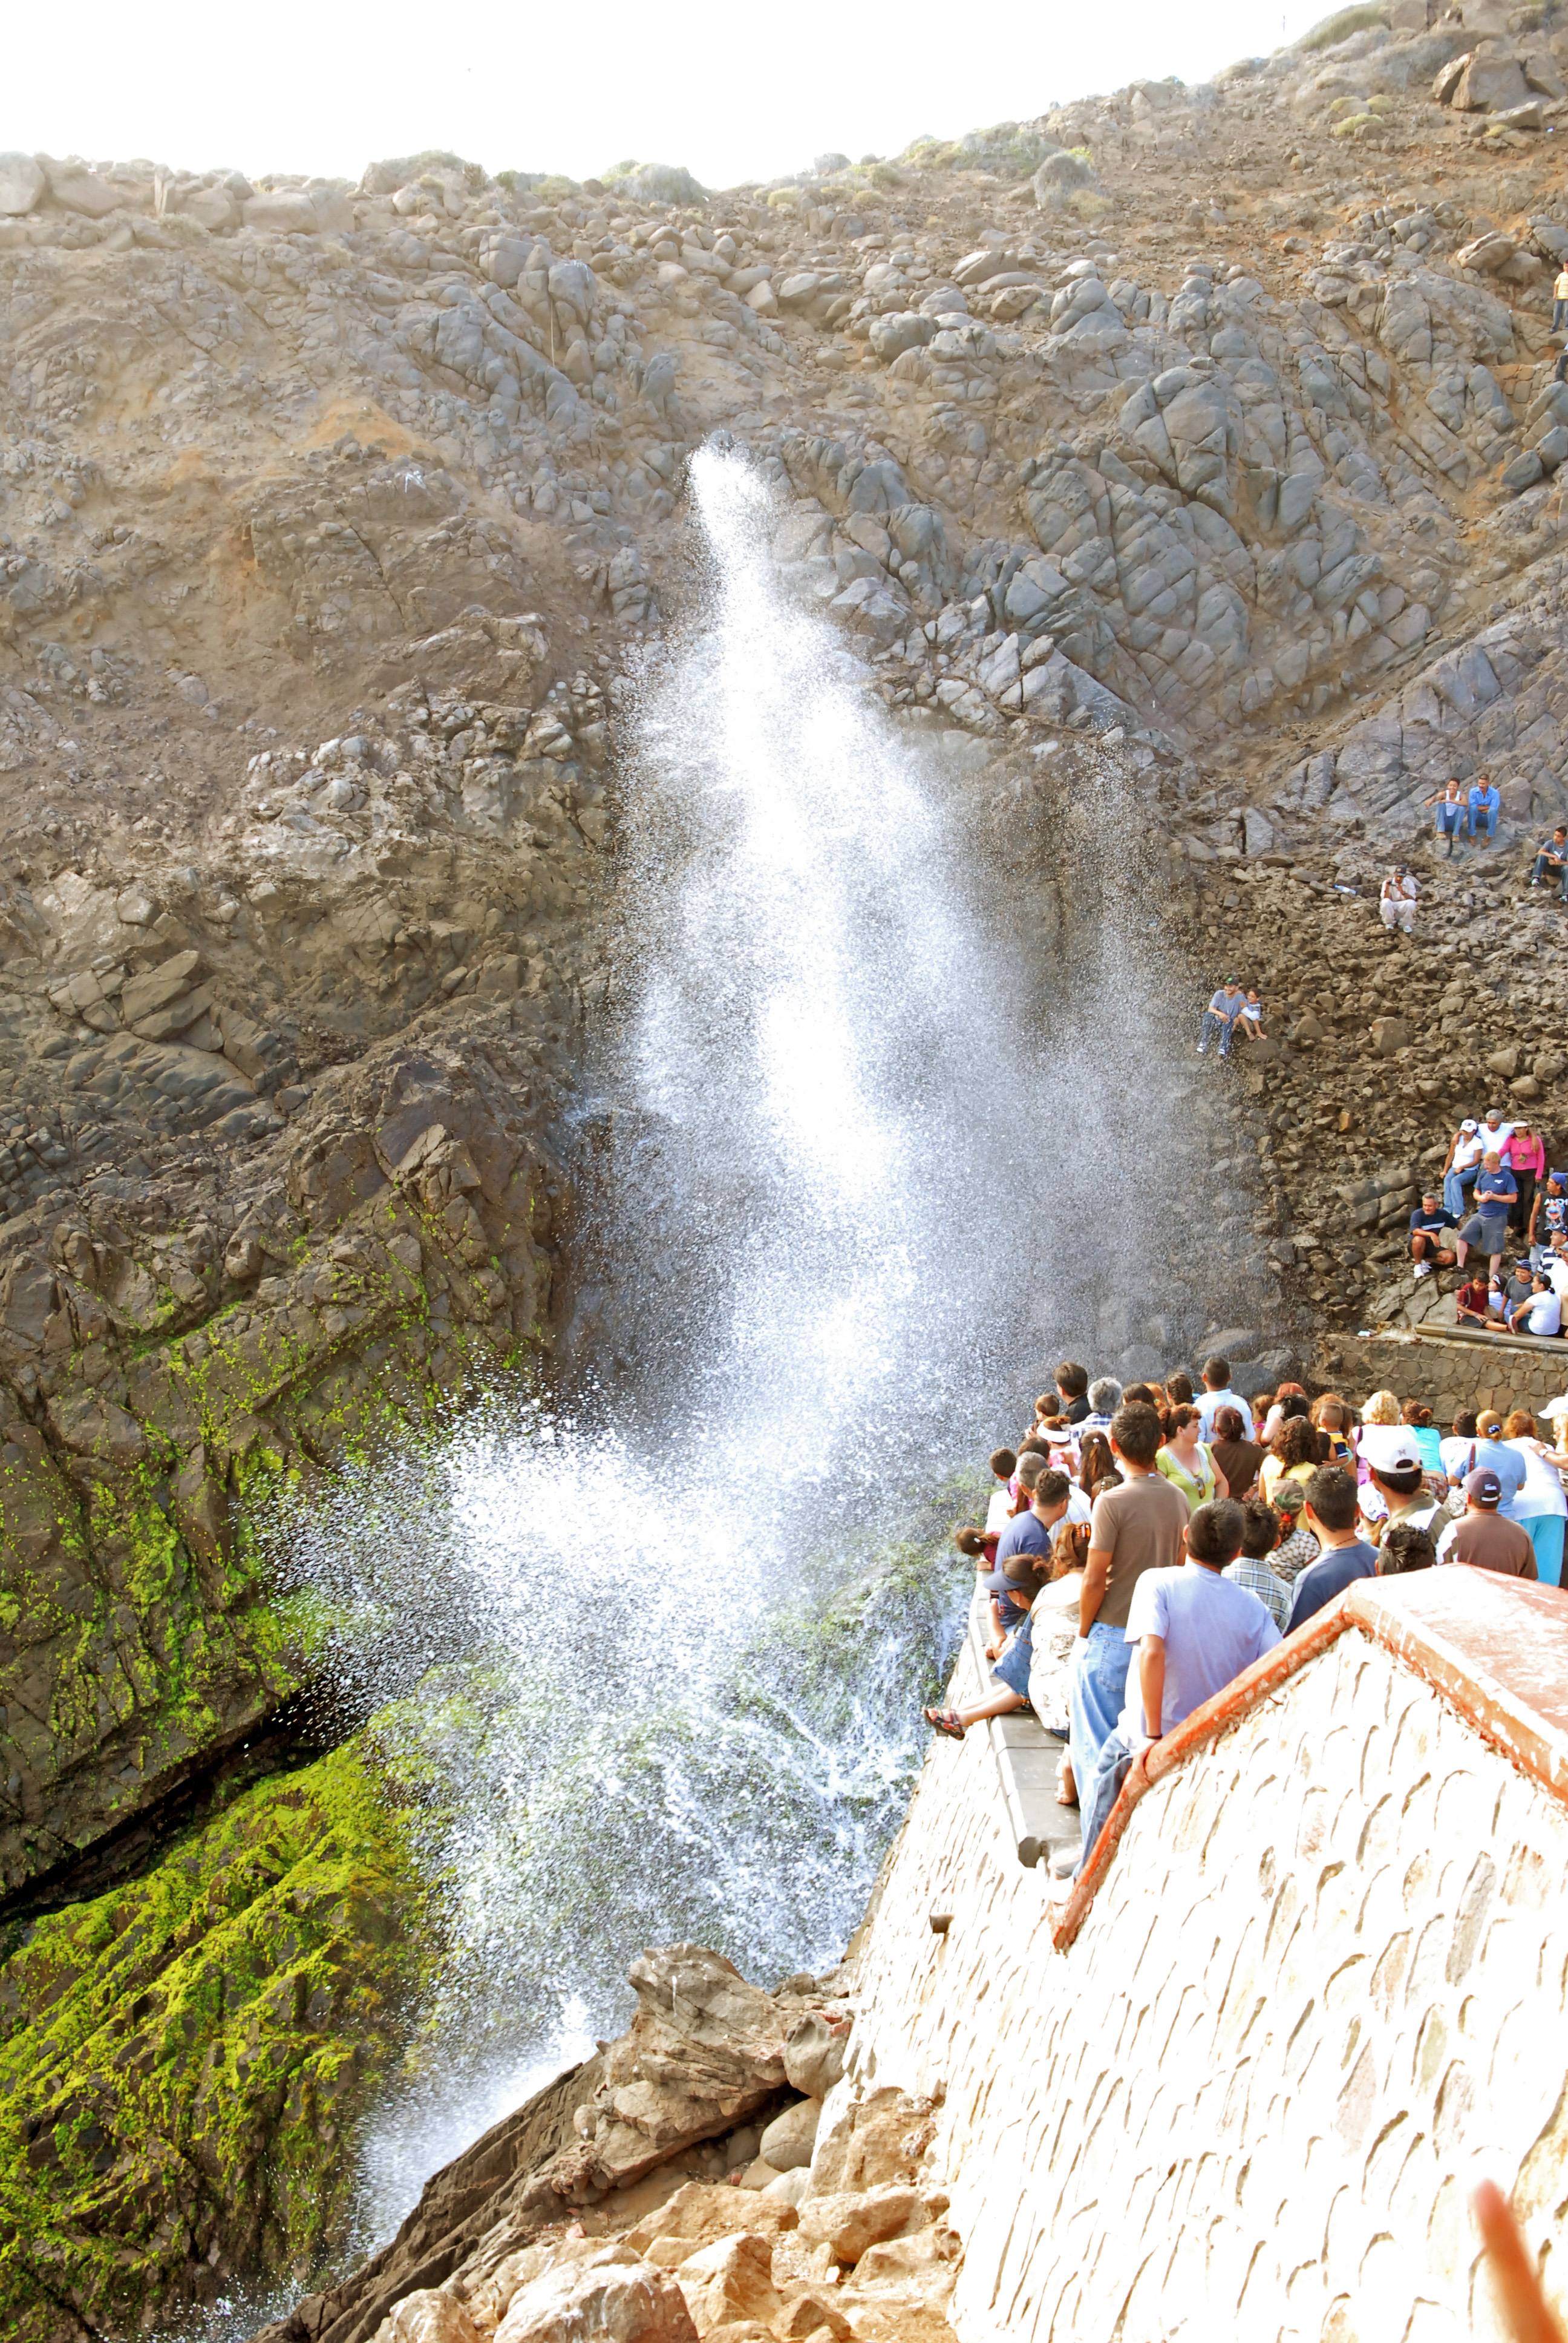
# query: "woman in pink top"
1524,1155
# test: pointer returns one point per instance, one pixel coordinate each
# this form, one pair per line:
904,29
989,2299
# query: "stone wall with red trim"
1319,1986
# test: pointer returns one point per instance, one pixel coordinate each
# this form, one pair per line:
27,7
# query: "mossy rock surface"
181,2056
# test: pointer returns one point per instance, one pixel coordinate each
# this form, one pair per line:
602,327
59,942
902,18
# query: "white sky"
317,85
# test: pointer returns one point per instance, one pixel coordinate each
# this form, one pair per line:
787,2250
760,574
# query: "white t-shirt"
1542,1491
1493,1142
1544,1315
1209,1403
1554,1266
1467,1150
1399,891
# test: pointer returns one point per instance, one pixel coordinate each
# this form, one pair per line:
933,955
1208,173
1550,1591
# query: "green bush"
1343,22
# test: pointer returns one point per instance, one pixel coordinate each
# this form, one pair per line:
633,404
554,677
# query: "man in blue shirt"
1495,1190
1330,1513
1480,807
1429,1239
1552,862
1227,1005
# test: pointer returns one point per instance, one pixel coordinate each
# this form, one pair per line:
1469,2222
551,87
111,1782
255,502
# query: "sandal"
946,1720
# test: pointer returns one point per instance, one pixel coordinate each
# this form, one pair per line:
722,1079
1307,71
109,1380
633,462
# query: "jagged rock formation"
1208,435
644,2147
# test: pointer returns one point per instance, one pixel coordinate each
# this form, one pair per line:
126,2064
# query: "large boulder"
22,183
1492,82
618,2300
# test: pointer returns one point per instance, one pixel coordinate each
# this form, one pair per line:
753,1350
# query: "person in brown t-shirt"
1138,1527
1482,1537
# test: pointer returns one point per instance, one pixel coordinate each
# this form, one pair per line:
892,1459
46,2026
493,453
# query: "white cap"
1390,1448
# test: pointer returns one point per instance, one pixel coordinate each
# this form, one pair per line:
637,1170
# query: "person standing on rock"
1560,300
1480,807
1449,814
1221,1016
1524,1154
1487,1229
1136,1527
1397,899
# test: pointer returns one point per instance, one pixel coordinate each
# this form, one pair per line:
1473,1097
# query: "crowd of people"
1498,1217
1143,1546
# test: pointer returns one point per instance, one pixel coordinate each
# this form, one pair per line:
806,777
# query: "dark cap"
1483,1486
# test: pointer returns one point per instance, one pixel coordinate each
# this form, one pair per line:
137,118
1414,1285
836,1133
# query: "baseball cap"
1484,1485
1470,1123
1391,1448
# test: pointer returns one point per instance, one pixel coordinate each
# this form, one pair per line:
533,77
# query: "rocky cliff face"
1205,439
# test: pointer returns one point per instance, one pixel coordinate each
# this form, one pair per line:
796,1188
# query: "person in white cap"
1394,1468
1397,899
1465,1149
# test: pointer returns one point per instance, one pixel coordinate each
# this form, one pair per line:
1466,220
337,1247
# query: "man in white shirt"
1217,1394
1541,1313
1398,898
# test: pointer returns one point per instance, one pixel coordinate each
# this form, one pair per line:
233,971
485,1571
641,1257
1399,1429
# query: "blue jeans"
1559,316
1097,1696
1449,819
1114,1764
1482,817
1543,871
1454,1184
1213,1024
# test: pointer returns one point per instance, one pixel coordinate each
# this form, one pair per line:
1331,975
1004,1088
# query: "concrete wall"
1320,1984
1446,1376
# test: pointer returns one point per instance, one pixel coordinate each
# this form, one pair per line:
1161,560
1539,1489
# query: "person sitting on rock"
1541,1312
1221,1015
1431,1236
1487,1229
1461,1166
1471,1305
1397,899
1250,1025
1194,1631
1551,862
1480,807
1449,816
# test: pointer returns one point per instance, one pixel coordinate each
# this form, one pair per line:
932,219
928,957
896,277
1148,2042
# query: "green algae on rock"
180,2056
149,1417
